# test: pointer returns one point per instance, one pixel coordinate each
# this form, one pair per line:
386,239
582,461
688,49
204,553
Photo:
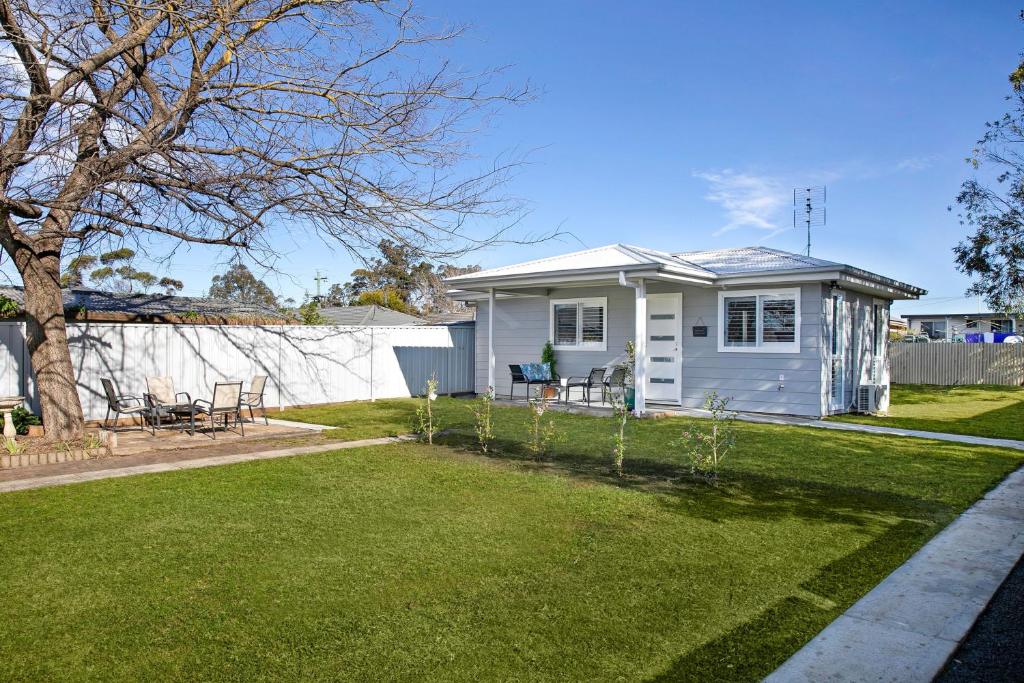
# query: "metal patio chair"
594,379
616,380
226,402
254,397
119,405
165,403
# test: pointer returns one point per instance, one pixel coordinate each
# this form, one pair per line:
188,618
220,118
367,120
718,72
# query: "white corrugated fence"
306,365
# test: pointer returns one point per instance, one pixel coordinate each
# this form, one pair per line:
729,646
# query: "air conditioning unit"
868,397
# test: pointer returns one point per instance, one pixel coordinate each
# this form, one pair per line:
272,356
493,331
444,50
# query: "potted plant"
629,390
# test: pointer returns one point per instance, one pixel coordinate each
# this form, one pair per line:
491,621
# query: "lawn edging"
908,626
195,463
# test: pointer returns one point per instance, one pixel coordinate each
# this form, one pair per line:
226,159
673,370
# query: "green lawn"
978,410
411,562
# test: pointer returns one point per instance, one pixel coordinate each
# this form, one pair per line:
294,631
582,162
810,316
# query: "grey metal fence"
952,364
306,365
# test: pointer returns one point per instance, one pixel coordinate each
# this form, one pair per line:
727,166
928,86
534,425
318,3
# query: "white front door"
664,363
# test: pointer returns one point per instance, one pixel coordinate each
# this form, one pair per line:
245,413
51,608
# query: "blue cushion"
536,372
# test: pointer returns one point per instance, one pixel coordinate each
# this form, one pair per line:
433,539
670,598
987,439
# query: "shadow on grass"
741,496
769,639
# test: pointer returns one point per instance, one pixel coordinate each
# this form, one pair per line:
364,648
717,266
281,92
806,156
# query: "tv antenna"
318,279
809,209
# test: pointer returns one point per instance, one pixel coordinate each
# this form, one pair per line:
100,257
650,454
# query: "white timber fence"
952,364
305,364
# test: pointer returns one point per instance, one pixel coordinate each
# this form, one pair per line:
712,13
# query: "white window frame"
601,301
761,346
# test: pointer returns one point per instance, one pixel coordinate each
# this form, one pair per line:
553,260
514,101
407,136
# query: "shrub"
620,415
23,419
425,411
547,355
482,413
709,441
541,432
630,363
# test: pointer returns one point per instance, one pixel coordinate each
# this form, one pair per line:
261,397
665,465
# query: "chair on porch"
530,374
594,379
616,380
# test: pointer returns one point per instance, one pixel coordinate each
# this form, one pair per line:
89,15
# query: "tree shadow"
742,495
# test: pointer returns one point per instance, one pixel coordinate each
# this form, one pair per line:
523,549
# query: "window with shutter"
579,324
759,321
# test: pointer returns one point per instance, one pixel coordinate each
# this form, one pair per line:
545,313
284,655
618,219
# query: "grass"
410,562
977,410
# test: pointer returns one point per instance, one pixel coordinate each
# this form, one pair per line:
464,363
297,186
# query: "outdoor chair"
531,374
119,405
254,397
165,403
226,402
616,380
594,379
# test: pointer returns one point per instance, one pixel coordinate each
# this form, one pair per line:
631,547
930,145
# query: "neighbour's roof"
368,315
94,304
712,267
986,314
466,315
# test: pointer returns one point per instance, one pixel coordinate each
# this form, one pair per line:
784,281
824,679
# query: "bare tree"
219,122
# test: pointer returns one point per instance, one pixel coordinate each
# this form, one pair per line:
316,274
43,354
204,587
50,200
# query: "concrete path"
854,427
909,625
195,463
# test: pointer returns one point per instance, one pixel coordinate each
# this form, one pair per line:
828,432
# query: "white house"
777,332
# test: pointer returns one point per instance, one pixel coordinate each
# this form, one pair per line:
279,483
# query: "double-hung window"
766,321
579,324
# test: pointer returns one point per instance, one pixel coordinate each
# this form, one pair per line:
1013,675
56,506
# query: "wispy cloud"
914,164
749,200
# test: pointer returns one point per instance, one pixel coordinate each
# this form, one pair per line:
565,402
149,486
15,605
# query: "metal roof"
707,267
751,260
369,315
986,314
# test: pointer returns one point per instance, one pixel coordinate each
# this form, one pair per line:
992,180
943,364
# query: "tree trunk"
47,342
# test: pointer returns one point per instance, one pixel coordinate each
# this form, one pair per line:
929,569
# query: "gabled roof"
709,268
369,315
610,257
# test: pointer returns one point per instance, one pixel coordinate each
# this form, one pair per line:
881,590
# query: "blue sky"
686,125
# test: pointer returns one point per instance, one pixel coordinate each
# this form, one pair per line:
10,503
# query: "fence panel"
306,365
952,364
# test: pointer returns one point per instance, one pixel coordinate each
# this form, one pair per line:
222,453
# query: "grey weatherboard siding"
751,379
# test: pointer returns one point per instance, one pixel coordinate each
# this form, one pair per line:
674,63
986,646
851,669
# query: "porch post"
490,339
640,342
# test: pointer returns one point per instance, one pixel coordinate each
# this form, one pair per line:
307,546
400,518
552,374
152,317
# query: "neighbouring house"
947,326
466,316
898,327
94,305
370,315
777,332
